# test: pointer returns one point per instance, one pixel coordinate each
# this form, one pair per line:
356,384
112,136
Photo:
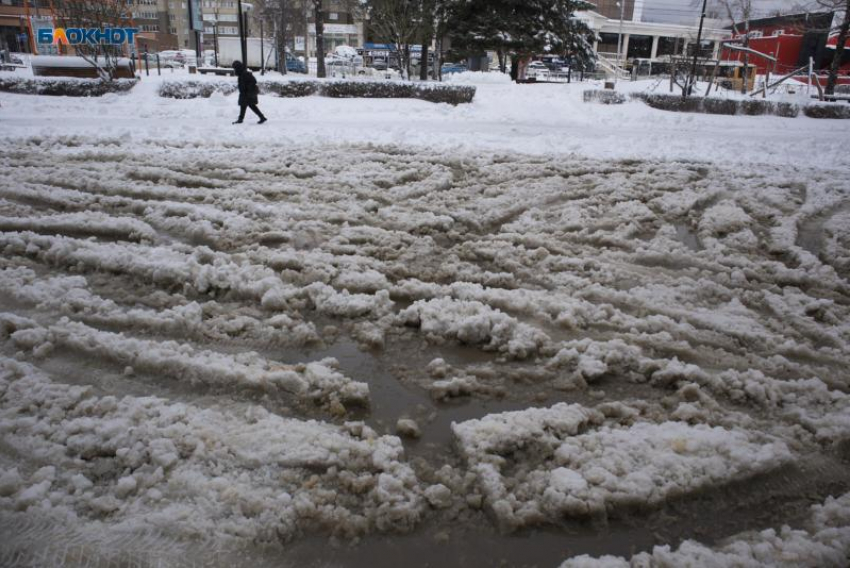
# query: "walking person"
248,92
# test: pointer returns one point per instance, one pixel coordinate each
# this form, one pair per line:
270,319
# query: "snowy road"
207,340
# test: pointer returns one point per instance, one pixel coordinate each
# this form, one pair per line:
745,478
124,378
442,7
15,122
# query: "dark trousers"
253,108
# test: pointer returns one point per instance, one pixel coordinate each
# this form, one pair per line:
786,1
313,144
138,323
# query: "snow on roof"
72,61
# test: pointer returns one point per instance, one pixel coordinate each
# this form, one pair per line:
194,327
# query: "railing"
611,67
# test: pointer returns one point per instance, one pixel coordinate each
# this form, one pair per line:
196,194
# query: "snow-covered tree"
522,27
570,35
399,22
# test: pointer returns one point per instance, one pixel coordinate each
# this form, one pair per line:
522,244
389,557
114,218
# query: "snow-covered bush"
786,110
715,105
289,89
452,94
190,89
435,93
64,86
603,96
827,110
720,106
675,103
754,107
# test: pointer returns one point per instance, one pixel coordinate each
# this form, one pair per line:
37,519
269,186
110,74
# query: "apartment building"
151,18
14,35
221,19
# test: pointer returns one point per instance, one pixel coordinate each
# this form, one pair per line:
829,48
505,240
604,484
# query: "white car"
536,70
341,67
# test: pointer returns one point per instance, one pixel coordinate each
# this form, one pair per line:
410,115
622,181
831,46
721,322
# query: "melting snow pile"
609,337
196,472
565,461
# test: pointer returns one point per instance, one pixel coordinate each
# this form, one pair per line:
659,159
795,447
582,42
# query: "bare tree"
841,27
319,18
98,14
399,21
282,14
428,26
740,12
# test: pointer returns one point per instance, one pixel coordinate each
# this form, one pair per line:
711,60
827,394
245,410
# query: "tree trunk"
320,39
423,59
500,53
438,56
281,37
428,30
839,51
406,63
746,73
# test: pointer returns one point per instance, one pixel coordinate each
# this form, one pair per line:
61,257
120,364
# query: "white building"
649,40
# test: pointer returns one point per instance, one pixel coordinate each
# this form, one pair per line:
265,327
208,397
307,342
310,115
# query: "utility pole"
622,4
195,33
215,36
243,43
693,78
307,36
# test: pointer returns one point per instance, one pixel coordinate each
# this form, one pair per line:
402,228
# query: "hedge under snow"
715,105
64,86
340,89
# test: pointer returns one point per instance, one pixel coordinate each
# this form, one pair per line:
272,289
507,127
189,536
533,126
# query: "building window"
779,32
333,16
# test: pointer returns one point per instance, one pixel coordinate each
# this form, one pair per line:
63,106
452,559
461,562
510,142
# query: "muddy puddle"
771,500
688,237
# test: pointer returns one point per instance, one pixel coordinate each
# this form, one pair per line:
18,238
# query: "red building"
792,40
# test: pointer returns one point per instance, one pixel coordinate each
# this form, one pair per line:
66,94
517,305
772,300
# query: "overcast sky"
687,11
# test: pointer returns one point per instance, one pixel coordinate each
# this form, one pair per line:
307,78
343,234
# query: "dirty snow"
575,315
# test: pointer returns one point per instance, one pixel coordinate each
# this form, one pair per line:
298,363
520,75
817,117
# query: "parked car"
348,54
555,64
294,65
379,63
173,58
536,70
342,67
449,68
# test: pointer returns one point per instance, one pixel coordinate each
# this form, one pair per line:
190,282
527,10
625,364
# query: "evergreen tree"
521,27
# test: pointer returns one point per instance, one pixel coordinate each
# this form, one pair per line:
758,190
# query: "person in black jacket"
248,92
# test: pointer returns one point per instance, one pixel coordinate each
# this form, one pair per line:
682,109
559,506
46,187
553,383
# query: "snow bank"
318,382
149,464
72,297
543,464
476,324
478,78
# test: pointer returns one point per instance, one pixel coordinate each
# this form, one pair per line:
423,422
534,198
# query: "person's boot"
262,120
237,122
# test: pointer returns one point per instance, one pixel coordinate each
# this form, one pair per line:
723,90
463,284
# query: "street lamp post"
622,4
215,37
243,42
693,79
